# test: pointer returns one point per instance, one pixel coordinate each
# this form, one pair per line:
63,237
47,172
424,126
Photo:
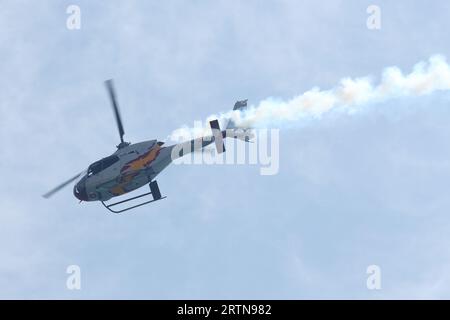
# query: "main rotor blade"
112,95
62,185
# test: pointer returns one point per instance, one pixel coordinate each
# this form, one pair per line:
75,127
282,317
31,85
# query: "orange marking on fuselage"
130,169
118,190
142,161
124,180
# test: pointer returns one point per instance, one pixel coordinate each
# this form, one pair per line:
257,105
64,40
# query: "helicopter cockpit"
101,165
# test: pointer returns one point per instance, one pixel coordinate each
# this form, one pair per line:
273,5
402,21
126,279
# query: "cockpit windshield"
102,164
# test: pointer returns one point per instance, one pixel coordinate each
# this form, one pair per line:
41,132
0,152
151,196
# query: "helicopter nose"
79,191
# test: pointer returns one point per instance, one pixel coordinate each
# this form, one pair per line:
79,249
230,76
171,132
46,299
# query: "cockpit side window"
108,162
95,168
101,165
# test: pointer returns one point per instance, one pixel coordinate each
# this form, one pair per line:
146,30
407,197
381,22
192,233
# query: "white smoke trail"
349,95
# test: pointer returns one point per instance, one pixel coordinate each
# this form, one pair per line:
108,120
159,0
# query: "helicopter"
134,165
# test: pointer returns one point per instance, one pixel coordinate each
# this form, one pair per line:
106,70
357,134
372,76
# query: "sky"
351,191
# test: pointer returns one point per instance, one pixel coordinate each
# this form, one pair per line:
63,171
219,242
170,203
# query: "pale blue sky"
351,191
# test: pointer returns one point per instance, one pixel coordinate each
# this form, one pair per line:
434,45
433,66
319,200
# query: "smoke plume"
348,96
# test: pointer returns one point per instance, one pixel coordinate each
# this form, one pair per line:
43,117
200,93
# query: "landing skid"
154,191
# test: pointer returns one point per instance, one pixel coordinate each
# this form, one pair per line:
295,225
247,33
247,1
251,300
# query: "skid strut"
154,191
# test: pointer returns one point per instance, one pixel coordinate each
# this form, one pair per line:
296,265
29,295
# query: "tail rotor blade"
62,185
112,95
218,137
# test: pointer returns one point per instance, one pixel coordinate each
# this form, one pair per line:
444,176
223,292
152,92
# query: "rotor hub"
123,144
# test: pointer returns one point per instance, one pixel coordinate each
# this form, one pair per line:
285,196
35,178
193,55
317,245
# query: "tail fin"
234,131
239,105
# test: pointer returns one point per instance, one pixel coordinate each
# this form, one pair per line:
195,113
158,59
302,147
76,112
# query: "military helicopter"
132,166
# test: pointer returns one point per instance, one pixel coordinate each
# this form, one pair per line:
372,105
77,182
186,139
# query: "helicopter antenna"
112,95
